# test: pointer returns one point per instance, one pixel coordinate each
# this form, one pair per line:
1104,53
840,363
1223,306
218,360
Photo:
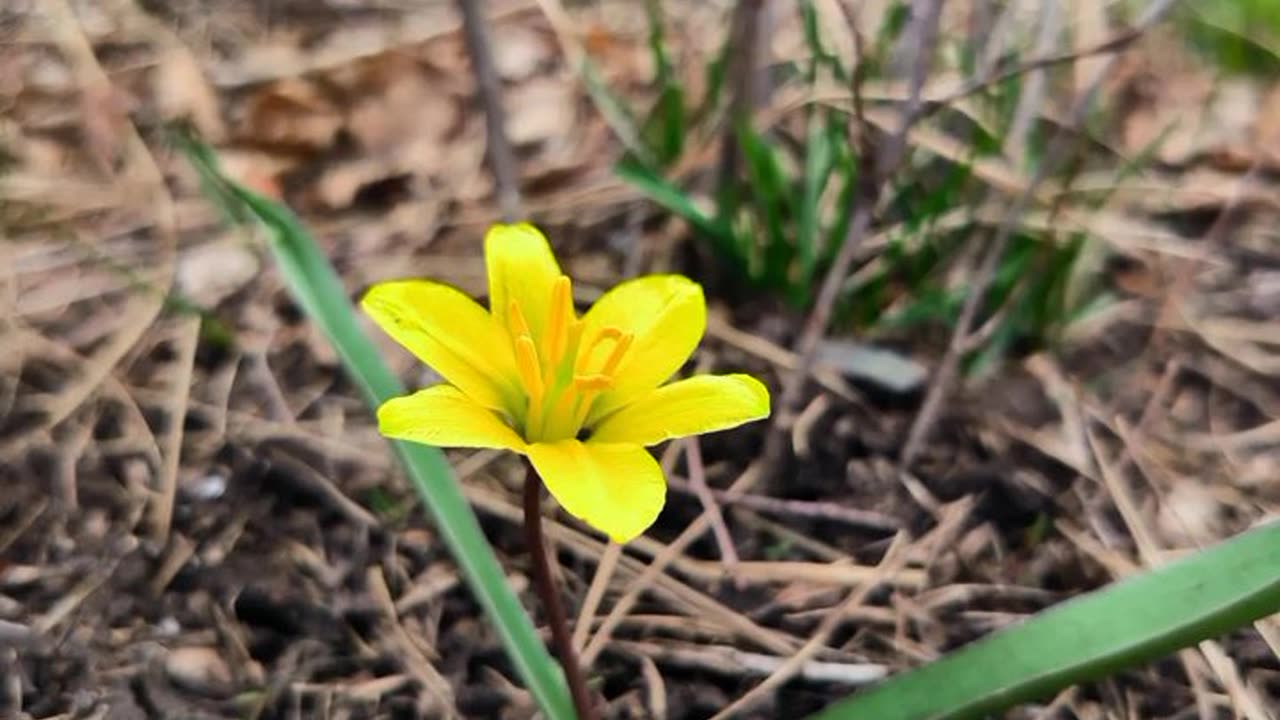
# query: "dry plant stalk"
502,160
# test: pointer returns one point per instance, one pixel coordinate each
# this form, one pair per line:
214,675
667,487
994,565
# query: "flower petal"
616,489
700,404
668,316
442,415
450,332
522,268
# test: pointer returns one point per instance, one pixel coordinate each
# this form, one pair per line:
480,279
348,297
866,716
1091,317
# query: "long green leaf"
1133,621
817,171
669,112
771,200
670,196
316,287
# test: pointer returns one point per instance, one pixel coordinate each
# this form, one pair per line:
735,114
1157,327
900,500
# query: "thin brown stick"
925,32
595,593
894,559
160,516
410,650
698,484
863,519
550,597
993,78
1062,142
743,80
692,532
502,161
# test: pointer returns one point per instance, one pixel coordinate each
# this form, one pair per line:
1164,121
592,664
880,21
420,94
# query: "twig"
698,483
1032,96
655,568
502,160
949,365
140,166
415,661
925,32
893,561
1151,555
729,660
550,597
315,480
73,598
865,519
595,593
161,511
743,79
988,79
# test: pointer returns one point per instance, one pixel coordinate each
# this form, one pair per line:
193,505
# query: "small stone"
16,576
168,626
200,670
879,366
210,487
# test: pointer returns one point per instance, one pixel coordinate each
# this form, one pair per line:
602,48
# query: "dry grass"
200,520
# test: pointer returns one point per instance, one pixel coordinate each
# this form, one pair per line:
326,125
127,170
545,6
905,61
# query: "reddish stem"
543,584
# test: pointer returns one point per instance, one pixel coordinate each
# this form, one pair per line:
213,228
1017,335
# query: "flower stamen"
592,383
615,356
603,335
519,326
558,320
531,378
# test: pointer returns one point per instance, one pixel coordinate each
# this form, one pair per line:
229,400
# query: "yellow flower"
581,397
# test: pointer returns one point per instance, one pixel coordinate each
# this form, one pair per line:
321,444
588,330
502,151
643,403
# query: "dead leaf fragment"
518,51
182,91
210,273
540,110
199,669
292,113
406,107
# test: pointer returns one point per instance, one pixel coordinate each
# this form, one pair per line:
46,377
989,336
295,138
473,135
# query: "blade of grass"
316,287
770,198
671,197
817,170
669,114
1136,620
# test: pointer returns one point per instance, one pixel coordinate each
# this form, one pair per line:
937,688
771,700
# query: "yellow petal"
442,415
700,404
522,268
667,314
616,489
452,333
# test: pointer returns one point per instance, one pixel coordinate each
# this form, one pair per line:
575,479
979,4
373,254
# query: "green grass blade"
317,288
817,170
1137,620
771,194
669,113
670,196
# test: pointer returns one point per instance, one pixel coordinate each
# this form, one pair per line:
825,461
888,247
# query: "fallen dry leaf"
539,110
518,51
212,272
291,113
199,669
181,91
399,103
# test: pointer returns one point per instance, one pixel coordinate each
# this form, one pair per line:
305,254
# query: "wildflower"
581,397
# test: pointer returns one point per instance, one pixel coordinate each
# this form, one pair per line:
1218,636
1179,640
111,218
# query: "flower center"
564,373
